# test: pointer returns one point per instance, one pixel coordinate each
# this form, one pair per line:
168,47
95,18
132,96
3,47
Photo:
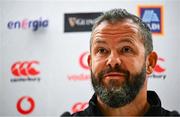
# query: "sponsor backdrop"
44,47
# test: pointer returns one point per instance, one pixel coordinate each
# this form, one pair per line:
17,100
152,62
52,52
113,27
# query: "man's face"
117,62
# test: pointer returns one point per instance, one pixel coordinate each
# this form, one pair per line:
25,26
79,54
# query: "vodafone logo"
83,60
26,68
158,68
79,106
84,65
25,105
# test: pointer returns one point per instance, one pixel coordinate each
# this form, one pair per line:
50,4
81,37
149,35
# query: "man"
121,57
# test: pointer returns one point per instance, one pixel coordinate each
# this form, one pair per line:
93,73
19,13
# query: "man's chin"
113,83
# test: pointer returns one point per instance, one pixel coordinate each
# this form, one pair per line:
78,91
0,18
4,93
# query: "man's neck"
138,107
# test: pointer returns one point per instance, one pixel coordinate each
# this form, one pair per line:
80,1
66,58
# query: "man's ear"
89,60
151,62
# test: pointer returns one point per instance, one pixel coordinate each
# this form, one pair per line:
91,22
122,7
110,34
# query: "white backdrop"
49,72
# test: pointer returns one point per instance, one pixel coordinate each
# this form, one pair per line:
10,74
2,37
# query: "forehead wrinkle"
126,27
108,32
124,30
99,41
117,35
126,37
116,26
123,40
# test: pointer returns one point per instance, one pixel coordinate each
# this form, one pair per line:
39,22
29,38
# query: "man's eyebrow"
99,41
128,40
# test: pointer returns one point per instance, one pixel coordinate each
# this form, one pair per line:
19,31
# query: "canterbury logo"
159,68
25,68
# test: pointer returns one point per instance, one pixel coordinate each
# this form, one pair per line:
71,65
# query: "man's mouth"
114,75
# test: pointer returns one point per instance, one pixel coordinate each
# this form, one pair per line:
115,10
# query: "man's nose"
113,60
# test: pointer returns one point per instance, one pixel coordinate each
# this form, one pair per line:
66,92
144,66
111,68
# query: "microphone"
66,114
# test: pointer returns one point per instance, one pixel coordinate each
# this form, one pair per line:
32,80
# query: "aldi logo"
153,17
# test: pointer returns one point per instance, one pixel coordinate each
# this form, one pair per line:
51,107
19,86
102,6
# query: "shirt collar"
155,103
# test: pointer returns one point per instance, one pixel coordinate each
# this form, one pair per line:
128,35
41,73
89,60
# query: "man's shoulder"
89,111
165,112
156,108
80,113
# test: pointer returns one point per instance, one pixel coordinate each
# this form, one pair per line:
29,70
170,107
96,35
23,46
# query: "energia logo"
28,24
25,71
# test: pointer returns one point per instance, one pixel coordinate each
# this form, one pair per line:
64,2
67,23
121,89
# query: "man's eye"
126,49
102,51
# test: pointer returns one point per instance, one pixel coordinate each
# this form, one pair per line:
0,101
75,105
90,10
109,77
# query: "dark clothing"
155,108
